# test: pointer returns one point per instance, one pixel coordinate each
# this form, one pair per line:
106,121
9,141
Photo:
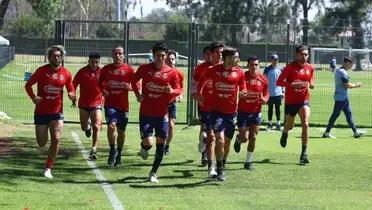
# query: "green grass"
18,106
338,177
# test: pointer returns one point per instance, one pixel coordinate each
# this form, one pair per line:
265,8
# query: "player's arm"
282,79
199,88
70,88
311,83
242,86
265,92
102,83
28,86
173,88
137,76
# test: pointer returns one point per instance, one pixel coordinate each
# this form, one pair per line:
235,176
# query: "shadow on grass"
187,162
207,182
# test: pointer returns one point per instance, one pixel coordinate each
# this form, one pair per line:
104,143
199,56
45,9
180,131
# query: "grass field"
339,175
18,106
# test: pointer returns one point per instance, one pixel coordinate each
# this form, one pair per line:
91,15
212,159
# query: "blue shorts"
148,124
246,119
293,109
225,123
91,109
115,115
275,100
47,118
172,110
206,120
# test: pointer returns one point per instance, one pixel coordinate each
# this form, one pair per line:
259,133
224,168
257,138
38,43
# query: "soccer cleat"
93,155
153,178
248,166
328,135
48,173
359,134
221,175
278,127
88,132
269,127
237,144
212,173
118,160
144,154
304,160
204,159
202,140
112,157
283,139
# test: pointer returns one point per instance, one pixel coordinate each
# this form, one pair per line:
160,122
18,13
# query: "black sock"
209,164
119,150
112,147
223,163
219,165
166,147
159,154
304,149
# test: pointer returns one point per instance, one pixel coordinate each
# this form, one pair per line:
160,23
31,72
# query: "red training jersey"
49,88
226,83
115,81
257,88
90,92
180,79
207,92
296,79
154,84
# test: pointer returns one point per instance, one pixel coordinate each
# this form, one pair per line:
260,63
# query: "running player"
50,79
91,100
159,84
205,106
297,77
227,80
341,98
115,83
272,73
172,108
249,109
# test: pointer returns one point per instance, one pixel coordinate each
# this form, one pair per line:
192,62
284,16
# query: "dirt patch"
6,133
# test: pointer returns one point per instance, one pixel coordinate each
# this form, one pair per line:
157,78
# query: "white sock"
249,157
94,148
278,122
270,122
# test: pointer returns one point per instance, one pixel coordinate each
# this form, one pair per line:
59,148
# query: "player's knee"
145,147
305,125
96,127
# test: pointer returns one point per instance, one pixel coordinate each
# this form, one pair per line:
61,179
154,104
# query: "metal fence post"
191,112
126,38
288,37
57,32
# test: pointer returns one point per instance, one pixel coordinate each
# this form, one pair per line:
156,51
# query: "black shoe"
237,144
304,160
221,175
248,166
88,132
112,157
269,127
204,159
283,139
118,160
93,155
166,150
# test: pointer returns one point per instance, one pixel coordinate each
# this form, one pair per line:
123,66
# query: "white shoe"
144,154
212,172
202,144
153,178
359,133
328,135
48,173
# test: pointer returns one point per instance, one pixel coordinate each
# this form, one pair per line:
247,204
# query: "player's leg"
253,131
337,108
229,130
218,129
41,130
112,119
84,122
270,113
96,119
161,132
171,124
121,127
242,136
202,139
304,114
350,121
55,129
290,114
146,132
277,113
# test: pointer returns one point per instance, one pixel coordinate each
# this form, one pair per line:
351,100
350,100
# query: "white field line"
12,77
107,187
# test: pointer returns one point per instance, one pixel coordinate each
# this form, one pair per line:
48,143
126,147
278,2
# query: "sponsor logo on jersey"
221,86
117,84
155,87
50,89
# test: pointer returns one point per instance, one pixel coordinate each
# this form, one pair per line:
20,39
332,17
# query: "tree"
3,8
177,29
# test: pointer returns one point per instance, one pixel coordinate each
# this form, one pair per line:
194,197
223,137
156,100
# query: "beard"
55,64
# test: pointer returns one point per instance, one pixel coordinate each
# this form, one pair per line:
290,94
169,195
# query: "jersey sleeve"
137,76
77,79
69,86
175,84
282,80
28,86
265,91
242,86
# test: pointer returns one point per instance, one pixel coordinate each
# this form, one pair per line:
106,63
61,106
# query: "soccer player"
159,84
249,109
341,98
91,100
202,133
272,73
205,106
227,81
172,108
115,82
297,77
50,79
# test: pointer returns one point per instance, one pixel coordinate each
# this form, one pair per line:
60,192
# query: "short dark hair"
172,52
302,47
117,46
206,48
348,59
53,48
228,51
215,45
253,58
93,55
160,46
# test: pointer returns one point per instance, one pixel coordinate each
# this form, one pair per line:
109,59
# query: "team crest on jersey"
259,83
165,76
55,76
225,74
302,71
234,74
252,82
307,71
61,77
157,75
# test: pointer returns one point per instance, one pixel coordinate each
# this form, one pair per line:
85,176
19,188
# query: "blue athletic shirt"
272,74
341,78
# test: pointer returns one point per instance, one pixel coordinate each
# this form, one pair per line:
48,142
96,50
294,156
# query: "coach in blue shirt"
272,73
342,86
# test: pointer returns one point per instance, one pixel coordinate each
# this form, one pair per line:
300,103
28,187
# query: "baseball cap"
274,57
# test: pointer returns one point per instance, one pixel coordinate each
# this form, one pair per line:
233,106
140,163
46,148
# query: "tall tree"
3,8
